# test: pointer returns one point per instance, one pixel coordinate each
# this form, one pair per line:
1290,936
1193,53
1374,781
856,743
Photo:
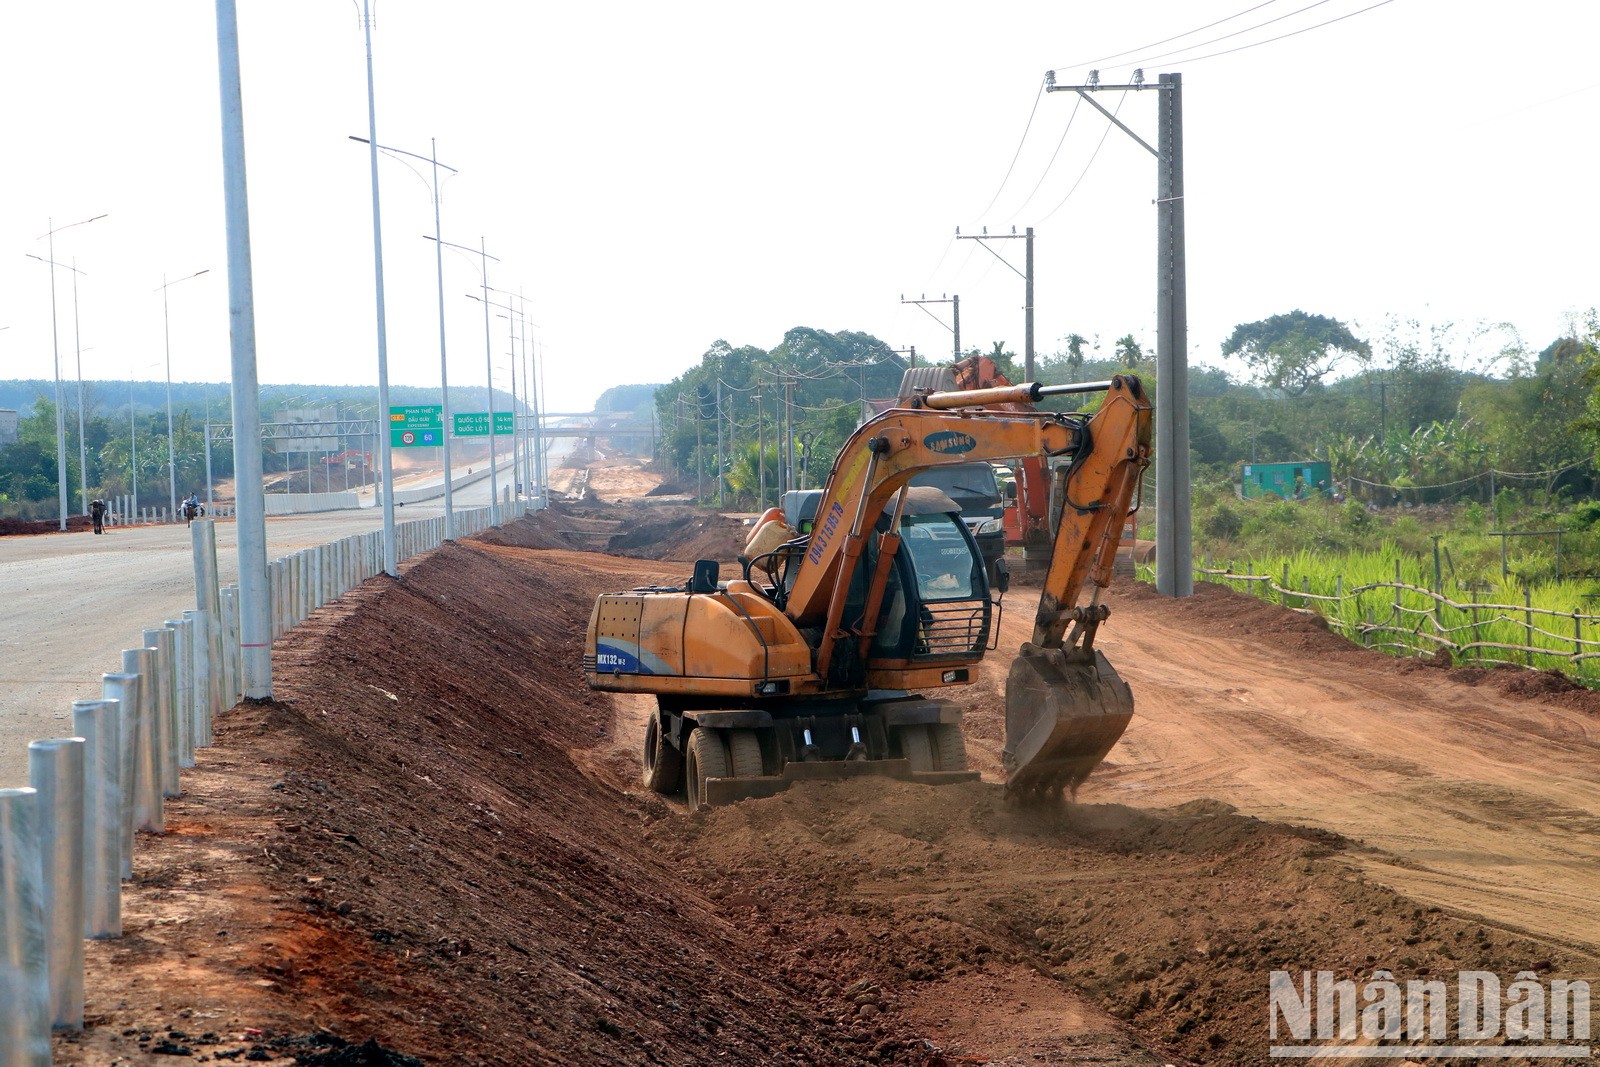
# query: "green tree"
1294,351
1075,343
1129,352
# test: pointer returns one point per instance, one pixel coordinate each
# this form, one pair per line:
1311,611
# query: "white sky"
656,177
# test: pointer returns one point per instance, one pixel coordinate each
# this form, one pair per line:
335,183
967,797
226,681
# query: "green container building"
1299,480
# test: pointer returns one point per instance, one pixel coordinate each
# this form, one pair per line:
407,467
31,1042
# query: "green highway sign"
476,423
417,426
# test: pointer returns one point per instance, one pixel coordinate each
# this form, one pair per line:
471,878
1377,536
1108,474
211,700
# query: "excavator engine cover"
1065,709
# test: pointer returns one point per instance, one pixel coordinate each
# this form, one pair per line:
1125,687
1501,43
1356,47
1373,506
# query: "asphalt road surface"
72,603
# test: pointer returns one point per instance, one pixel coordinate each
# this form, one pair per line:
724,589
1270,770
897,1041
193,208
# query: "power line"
1114,111
1076,104
1280,37
1224,37
1164,40
1017,154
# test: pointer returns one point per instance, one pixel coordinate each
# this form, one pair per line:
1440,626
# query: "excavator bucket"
1065,709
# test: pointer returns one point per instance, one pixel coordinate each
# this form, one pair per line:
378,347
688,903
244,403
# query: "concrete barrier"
309,503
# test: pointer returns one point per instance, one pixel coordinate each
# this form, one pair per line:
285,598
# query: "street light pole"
444,367
172,448
518,313
83,450
484,259
133,454
391,563
55,350
432,158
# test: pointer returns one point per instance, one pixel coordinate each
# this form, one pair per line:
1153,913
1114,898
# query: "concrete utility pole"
788,433
255,605
955,305
719,442
1174,547
1027,276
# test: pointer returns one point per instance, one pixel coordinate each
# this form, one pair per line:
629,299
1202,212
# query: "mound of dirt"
31,527
1171,920
668,532
1216,607
667,489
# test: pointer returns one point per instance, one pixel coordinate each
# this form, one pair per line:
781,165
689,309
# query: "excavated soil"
33,527
674,533
431,845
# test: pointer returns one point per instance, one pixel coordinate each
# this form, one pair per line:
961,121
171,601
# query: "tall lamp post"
133,455
391,558
172,448
521,316
484,259
83,481
55,349
444,369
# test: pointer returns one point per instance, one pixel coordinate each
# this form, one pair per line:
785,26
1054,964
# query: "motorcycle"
192,511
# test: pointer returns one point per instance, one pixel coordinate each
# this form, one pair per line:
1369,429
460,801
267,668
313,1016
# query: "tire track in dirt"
1469,798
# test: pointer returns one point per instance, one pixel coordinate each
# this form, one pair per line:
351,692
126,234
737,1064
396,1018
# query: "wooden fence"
1409,620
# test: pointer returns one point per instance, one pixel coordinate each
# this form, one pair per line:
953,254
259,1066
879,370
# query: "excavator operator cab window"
948,611
941,554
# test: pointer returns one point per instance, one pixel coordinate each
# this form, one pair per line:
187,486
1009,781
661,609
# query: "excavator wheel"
707,758
744,753
663,764
916,745
949,747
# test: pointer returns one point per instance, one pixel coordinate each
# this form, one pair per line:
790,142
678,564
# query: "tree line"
1414,414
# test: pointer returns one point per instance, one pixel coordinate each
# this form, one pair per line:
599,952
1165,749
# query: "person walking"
97,513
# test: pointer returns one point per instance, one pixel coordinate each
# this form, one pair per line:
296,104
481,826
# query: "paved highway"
70,603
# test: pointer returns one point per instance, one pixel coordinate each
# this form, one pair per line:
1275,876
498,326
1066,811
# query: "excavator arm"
1065,706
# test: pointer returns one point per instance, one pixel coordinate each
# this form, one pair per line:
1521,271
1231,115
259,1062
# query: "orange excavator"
819,660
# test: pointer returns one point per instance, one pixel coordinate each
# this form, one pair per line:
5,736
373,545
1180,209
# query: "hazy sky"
655,177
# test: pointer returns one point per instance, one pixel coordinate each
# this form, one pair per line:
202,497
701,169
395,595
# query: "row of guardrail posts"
67,839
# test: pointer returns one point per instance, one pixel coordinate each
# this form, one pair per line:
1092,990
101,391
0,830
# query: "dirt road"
1470,797
435,841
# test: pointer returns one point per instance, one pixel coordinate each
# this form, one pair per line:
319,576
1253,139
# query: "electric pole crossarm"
1113,119
983,242
930,314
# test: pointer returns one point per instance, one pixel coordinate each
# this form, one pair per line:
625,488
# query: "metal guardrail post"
232,654
124,689
182,689
96,721
24,976
202,695
165,708
207,598
55,770
148,813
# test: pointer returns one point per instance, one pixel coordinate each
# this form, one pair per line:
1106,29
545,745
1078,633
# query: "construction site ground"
432,846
